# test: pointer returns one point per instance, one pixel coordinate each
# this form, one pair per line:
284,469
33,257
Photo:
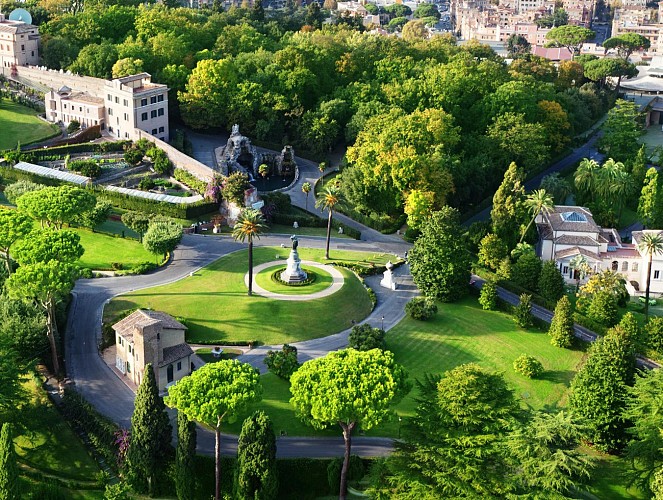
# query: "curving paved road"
101,387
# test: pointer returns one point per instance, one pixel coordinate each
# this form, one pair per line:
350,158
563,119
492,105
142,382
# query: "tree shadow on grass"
557,376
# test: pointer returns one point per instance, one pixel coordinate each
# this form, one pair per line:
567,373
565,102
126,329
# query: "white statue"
235,129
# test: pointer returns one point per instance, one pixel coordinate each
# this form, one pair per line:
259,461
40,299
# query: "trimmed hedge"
179,211
9,173
102,147
310,220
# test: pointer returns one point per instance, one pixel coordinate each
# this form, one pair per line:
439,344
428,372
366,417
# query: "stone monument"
293,272
388,278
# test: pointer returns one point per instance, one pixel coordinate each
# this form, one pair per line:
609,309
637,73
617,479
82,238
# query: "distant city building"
19,43
636,18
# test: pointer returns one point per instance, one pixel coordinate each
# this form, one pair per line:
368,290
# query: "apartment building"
642,21
134,102
65,105
19,43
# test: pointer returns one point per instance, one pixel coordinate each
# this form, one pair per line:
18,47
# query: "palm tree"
306,189
586,176
250,224
581,267
329,198
650,244
321,167
537,201
622,187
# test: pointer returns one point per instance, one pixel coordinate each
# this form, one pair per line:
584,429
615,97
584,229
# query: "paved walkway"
337,282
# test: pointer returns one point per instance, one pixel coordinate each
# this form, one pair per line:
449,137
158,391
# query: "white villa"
568,231
152,337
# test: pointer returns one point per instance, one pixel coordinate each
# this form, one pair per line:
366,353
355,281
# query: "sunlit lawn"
20,124
323,280
102,250
215,307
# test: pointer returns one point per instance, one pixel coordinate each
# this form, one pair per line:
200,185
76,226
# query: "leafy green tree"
551,282
13,226
45,283
626,44
162,237
185,455
557,186
561,326
517,46
599,70
571,37
216,393
257,475
97,216
329,198
96,60
507,211
650,204
151,433
639,168
492,251
10,488
426,10
137,221
603,308
17,189
527,271
306,189
523,142
522,313
48,244
598,391
586,177
283,363
56,206
365,337
372,383
249,225
607,281
654,333
439,261
545,455
454,443
418,206
127,66
651,243
488,296
558,18
643,410
621,131
414,30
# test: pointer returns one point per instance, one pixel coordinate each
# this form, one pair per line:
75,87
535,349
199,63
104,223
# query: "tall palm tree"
650,244
537,201
250,224
327,201
306,189
581,267
586,176
622,187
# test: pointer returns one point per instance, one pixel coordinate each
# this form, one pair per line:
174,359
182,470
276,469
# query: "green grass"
48,444
304,231
205,353
20,123
102,250
323,280
215,306
608,479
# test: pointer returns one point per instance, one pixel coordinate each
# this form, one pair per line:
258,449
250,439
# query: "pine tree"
185,483
551,282
256,459
561,327
9,485
507,213
151,435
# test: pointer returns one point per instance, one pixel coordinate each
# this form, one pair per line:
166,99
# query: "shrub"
117,266
146,183
14,191
492,250
190,180
421,308
654,329
603,308
522,313
488,296
73,126
160,161
561,327
365,337
282,363
133,156
551,282
528,366
526,271
234,186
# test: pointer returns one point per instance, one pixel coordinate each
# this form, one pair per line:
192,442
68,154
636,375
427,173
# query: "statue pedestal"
293,272
388,278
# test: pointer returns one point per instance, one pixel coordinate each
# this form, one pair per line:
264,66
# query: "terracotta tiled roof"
175,353
568,252
142,318
568,218
569,239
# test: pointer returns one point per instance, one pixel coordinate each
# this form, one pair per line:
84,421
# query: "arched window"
624,267
634,267
615,265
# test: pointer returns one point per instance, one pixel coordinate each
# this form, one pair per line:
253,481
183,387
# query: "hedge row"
178,211
190,180
311,220
102,147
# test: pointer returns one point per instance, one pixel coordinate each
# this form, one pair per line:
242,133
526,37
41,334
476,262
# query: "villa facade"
19,43
569,231
154,337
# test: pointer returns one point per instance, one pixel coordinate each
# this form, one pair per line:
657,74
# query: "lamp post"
400,419
382,323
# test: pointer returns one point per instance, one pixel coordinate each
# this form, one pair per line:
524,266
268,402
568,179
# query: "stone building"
19,43
66,106
153,337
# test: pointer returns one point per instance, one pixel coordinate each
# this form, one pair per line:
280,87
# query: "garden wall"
54,79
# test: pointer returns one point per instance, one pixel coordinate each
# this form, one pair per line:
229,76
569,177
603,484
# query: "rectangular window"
64,106
624,267
143,116
126,117
22,46
126,103
154,131
143,102
160,98
657,275
565,270
161,130
161,111
153,99
117,100
179,365
634,267
153,113
110,97
110,111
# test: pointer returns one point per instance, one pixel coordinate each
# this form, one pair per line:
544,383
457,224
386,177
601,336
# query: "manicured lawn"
304,231
48,444
323,280
215,307
206,355
609,481
102,250
20,123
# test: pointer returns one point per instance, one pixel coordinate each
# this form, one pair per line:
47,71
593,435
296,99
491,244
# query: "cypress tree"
256,476
551,282
561,326
639,168
488,296
650,205
522,313
184,458
9,485
507,212
151,435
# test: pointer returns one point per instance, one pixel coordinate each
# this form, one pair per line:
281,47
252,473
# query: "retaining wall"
54,79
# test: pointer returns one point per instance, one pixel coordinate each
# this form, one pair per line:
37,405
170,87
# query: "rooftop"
52,173
142,318
572,219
